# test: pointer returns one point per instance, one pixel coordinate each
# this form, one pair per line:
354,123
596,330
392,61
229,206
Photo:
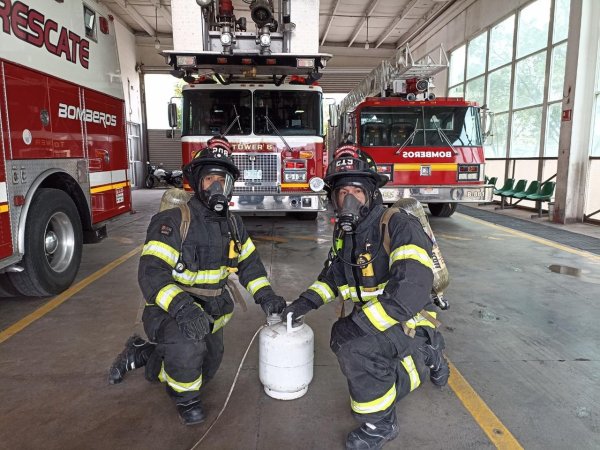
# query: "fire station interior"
521,329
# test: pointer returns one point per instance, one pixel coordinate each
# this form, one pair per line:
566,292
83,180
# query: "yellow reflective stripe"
323,290
247,250
344,291
377,315
221,322
162,251
349,292
339,243
190,278
179,386
166,295
379,404
254,285
411,252
413,374
420,321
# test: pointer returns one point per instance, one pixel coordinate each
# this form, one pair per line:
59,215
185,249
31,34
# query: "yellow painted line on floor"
495,430
66,295
533,238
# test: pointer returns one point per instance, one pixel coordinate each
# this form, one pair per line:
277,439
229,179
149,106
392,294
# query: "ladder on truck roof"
401,66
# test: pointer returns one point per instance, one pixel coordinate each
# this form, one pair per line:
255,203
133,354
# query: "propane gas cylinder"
174,197
286,354
441,277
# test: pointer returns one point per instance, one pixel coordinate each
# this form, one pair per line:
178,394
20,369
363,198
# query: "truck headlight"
316,184
226,38
265,40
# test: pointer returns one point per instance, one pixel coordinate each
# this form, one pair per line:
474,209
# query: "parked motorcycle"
156,175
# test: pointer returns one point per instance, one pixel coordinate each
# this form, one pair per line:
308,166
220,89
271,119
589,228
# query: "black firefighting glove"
298,308
193,322
273,304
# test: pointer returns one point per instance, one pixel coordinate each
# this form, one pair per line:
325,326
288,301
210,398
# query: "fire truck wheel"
442,209
149,182
6,287
53,243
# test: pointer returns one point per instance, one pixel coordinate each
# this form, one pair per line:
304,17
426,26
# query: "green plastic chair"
533,188
519,187
508,185
492,181
545,193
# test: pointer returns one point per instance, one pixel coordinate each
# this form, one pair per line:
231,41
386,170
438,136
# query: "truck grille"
267,163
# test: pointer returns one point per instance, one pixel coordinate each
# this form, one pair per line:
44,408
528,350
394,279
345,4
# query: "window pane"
525,138
529,81
476,56
501,43
557,72
498,138
533,27
457,66
498,92
287,113
475,90
596,136
553,129
210,112
457,91
561,20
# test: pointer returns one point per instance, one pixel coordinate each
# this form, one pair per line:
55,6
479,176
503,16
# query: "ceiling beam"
368,12
163,11
137,17
422,23
330,21
405,12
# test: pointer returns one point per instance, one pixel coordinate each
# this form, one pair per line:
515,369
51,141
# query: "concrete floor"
524,338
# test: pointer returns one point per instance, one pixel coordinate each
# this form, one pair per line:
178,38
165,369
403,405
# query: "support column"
577,107
187,25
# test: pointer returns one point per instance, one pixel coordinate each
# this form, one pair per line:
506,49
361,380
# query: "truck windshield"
210,112
432,126
293,113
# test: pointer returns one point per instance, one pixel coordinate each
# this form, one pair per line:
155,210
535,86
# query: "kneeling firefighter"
189,253
389,343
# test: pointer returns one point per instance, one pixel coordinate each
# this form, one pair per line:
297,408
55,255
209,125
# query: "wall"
131,83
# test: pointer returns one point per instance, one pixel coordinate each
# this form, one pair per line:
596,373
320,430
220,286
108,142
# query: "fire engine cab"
63,155
251,87
430,148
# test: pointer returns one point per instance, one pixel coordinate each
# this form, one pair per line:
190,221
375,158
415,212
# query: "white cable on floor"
231,389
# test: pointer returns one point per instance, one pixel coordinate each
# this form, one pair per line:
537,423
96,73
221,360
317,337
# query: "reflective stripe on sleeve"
411,369
162,251
377,315
247,249
420,321
413,252
179,386
254,285
166,295
379,404
323,290
349,292
221,322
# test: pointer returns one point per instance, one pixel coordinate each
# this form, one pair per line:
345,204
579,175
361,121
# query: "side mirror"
333,115
172,111
487,123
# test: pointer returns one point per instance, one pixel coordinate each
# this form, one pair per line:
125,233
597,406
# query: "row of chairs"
535,191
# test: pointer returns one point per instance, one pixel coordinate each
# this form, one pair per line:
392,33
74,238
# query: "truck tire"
6,287
53,244
442,209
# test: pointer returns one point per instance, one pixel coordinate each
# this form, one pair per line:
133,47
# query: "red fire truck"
264,99
63,155
430,148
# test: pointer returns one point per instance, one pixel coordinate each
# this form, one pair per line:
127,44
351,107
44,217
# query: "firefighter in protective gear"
184,282
389,343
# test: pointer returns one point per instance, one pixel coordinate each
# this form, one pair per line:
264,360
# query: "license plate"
429,191
473,193
253,174
388,195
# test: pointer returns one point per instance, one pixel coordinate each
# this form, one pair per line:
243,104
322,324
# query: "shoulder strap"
185,222
384,228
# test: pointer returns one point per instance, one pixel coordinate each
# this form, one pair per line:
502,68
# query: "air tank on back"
174,197
441,277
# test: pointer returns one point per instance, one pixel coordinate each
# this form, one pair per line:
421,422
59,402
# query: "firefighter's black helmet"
351,163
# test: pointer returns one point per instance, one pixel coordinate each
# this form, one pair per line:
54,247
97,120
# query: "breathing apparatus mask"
216,188
351,202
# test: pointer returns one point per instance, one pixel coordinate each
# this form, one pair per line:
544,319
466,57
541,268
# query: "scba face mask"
217,195
350,212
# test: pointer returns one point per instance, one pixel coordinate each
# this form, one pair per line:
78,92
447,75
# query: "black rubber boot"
191,412
439,372
134,355
373,436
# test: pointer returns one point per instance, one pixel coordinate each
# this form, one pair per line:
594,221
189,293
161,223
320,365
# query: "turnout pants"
183,364
379,371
